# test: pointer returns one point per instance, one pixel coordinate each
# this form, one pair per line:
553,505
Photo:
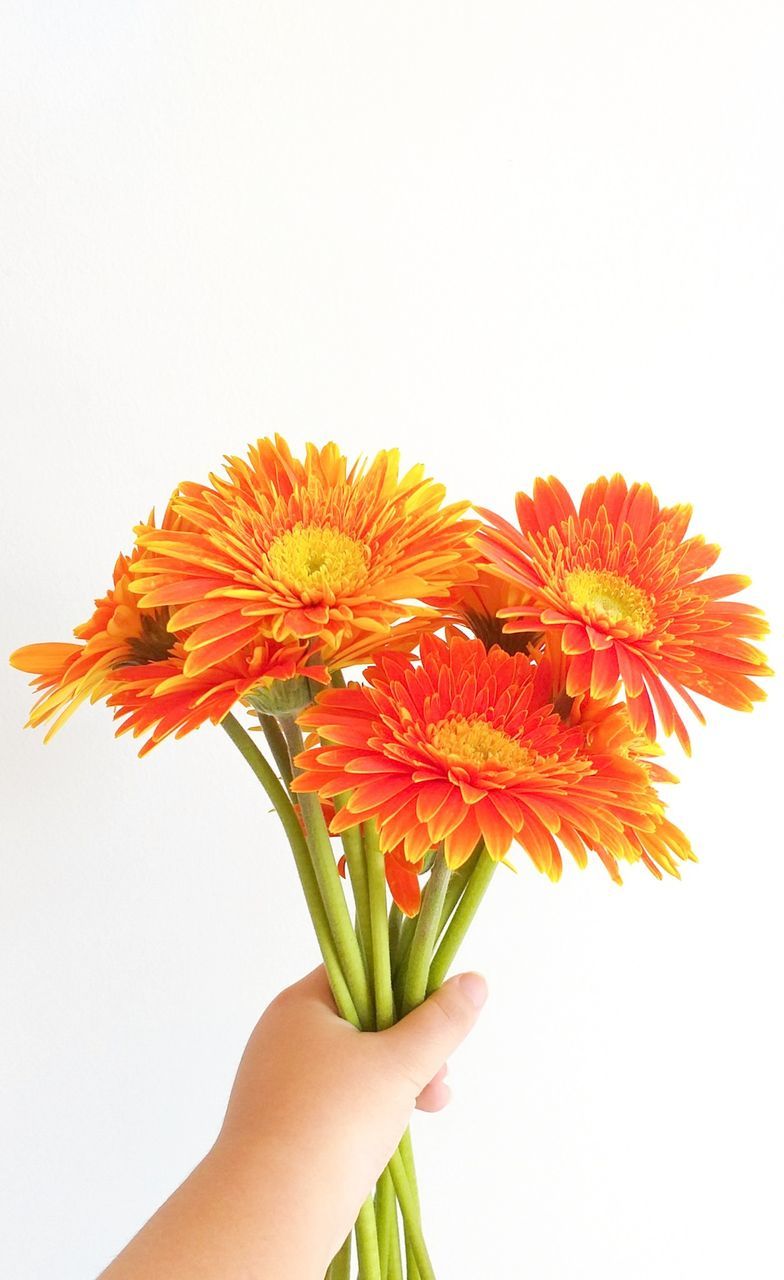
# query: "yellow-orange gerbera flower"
460,748
625,595
315,551
128,656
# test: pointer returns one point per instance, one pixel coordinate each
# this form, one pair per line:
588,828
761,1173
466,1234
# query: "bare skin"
316,1111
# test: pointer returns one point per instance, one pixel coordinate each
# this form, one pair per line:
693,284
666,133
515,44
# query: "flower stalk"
340,1266
467,907
358,875
326,872
425,933
367,1243
379,928
299,848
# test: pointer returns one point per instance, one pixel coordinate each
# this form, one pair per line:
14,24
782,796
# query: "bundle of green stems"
380,966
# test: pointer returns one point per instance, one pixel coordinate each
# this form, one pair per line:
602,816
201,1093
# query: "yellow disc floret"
471,740
319,562
602,596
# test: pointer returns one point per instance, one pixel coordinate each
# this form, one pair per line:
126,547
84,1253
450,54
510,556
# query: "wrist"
281,1193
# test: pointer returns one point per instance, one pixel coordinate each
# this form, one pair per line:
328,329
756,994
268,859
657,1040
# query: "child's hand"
333,1102
316,1111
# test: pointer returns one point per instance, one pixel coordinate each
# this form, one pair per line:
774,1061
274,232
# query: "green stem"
394,1260
475,890
277,745
395,1264
410,1214
340,1266
357,871
367,1242
384,1015
407,930
396,919
412,1270
457,884
406,1149
379,928
386,1211
282,804
323,862
428,920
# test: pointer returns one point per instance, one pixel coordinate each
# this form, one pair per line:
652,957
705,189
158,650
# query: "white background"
512,238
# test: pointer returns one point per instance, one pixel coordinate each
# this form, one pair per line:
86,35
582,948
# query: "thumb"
424,1039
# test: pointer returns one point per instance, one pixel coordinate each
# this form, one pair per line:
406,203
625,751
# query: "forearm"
242,1214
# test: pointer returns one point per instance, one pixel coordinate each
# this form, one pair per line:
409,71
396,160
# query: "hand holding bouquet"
514,677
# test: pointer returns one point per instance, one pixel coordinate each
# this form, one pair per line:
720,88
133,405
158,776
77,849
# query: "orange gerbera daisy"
624,595
461,748
159,697
128,656
476,606
117,635
314,551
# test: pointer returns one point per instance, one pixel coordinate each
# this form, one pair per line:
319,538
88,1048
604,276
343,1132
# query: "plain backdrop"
512,238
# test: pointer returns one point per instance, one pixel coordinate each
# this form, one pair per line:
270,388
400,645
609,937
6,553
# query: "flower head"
466,747
478,606
628,762
623,592
159,699
315,551
117,636
127,656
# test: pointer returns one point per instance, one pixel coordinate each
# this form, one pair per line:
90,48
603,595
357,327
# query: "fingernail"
474,987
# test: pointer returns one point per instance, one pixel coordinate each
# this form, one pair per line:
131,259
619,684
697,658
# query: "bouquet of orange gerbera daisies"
514,678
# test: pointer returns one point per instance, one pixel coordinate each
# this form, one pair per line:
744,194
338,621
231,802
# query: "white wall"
512,238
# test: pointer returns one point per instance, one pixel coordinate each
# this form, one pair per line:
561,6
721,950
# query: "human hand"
329,1104
315,1113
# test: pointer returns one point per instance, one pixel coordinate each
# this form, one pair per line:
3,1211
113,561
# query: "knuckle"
280,1006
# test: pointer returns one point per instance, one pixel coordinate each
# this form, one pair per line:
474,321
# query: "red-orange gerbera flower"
462,748
625,596
615,750
315,551
127,655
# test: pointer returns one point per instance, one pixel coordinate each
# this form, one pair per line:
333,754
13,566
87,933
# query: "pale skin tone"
316,1111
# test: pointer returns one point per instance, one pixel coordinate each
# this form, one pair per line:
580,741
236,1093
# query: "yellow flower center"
318,561
603,596
473,741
